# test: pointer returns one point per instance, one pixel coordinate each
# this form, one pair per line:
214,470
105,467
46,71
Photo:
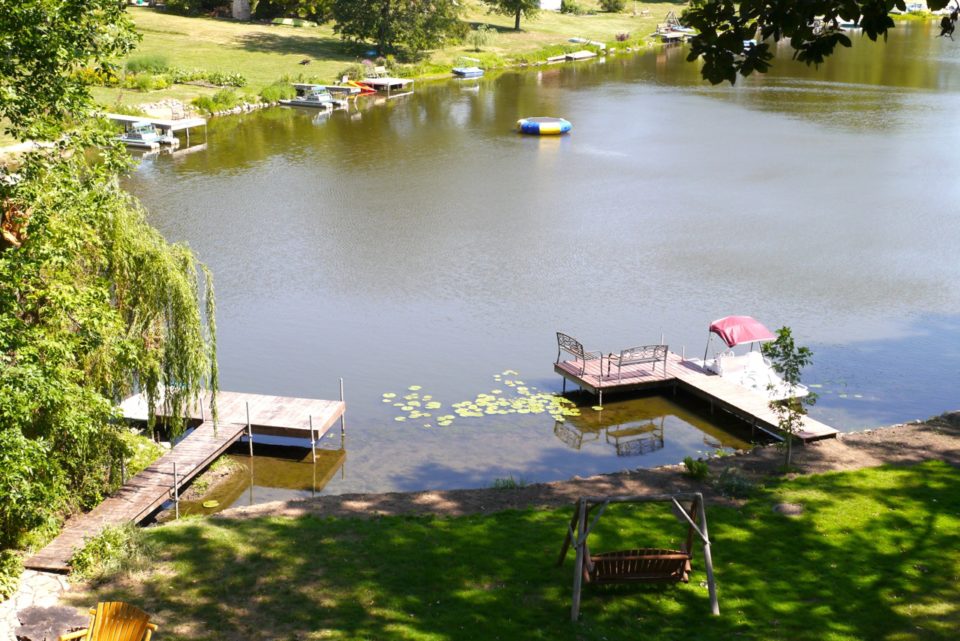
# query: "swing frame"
643,565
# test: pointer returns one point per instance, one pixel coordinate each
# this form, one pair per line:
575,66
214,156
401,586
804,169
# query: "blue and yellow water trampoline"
543,126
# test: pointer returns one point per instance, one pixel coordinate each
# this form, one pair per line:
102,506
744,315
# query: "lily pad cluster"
518,398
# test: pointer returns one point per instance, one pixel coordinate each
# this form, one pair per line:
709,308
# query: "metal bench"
574,347
638,356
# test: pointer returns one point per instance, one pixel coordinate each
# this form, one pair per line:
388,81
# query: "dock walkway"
741,402
145,492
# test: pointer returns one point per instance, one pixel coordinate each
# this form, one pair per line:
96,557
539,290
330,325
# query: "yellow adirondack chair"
115,621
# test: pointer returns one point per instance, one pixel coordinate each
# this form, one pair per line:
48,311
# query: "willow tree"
93,301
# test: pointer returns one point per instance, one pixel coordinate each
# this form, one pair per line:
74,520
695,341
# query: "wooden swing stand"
641,565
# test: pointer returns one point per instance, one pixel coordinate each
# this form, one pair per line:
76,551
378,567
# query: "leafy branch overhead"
42,44
812,28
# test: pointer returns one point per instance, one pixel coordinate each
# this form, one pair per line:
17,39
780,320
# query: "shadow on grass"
872,556
318,47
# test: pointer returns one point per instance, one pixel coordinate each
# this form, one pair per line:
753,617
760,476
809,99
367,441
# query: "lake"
420,243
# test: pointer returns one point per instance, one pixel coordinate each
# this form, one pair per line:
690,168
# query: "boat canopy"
737,330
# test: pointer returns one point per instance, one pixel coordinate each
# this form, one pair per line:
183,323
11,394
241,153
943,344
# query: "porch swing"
640,565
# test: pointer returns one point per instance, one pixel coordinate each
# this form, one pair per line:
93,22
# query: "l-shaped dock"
676,373
143,494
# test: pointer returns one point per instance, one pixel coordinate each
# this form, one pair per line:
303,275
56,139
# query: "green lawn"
265,53
874,556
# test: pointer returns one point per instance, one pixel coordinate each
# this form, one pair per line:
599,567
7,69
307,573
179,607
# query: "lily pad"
389,395
211,504
414,388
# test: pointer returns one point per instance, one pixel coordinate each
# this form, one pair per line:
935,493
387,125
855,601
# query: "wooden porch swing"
641,565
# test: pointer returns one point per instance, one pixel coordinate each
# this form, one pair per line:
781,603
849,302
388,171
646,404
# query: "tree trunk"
516,21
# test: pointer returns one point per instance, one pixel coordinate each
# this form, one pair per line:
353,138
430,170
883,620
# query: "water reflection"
274,473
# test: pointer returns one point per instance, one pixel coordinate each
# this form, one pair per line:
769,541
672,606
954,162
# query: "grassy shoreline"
864,560
265,53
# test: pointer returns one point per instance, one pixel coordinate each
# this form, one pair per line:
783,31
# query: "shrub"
622,37
143,82
178,75
734,484
613,6
571,7
223,79
194,7
509,483
11,567
152,63
480,37
31,484
115,549
220,101
696,468
277,91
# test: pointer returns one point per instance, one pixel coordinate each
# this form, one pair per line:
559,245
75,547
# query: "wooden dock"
144,493
749,406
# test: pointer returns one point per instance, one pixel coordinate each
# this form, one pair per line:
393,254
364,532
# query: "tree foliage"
42,44
788,361
409,26
516,8
317,10
93,301
811,27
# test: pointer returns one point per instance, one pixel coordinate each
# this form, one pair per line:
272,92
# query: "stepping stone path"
38,598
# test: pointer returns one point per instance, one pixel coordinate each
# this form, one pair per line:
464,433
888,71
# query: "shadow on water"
895,380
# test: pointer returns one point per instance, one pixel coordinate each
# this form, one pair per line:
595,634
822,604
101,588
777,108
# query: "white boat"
750,370
141,134
467,72
315,98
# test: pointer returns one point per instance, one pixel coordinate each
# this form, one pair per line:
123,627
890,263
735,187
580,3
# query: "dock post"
683,353
176,492
249,430
343,425
123,471
202,417
564,390
313,443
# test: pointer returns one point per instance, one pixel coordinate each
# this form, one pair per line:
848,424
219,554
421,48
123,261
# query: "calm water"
420,242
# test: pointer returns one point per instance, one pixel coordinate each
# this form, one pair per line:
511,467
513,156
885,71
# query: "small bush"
126,110
480,37
613,6
178,75
696,468
277,91
734,484
223,79
11,567
220,101
115,549
151,63
571,7
509,483
195,7
622,37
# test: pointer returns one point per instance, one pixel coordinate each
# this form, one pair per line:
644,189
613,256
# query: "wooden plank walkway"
739,401
141,495
145,492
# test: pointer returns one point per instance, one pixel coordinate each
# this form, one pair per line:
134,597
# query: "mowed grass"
873,556
264,53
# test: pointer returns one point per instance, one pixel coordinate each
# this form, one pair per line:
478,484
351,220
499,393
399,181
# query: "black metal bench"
638,356
573,347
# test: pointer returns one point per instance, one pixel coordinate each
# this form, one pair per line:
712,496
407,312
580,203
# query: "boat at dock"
750,370
142,135
315,97
467,72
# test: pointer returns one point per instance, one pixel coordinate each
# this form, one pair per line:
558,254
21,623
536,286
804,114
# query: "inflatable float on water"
542,126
